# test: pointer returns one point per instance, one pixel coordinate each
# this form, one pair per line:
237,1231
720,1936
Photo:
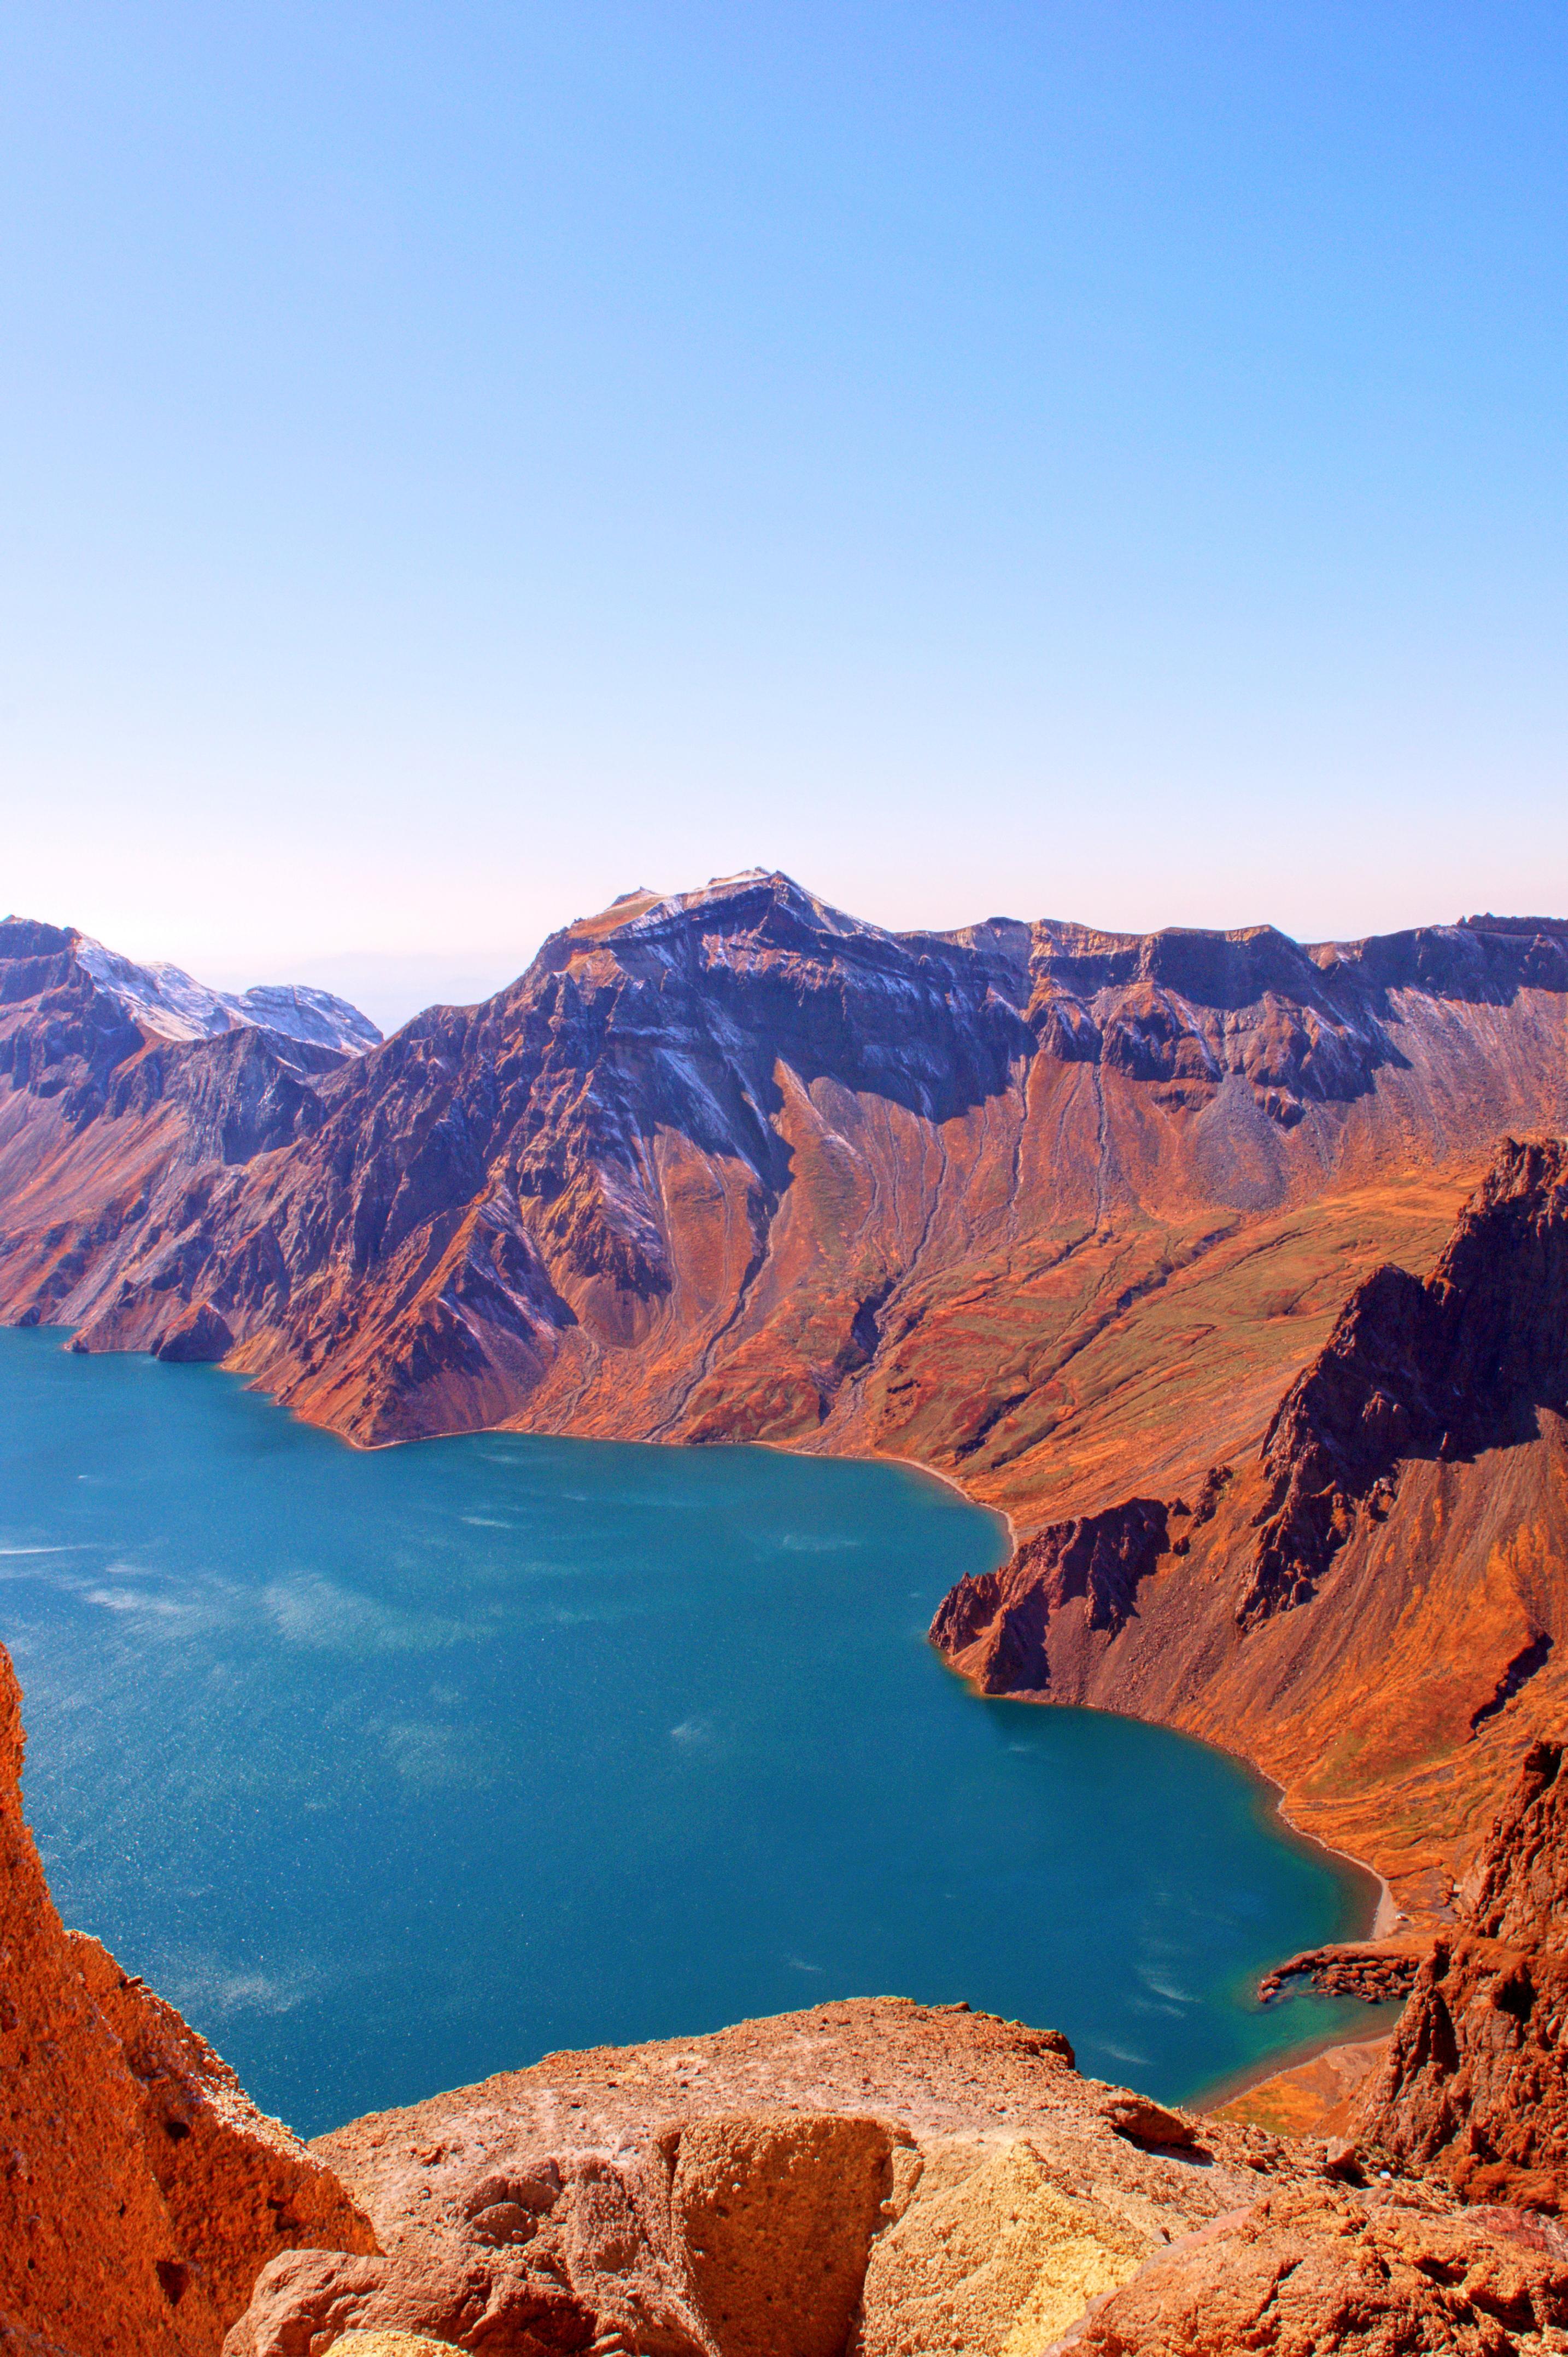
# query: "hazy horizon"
391,987
460,462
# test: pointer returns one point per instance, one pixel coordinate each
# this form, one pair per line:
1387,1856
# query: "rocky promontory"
1371,1603
141,2191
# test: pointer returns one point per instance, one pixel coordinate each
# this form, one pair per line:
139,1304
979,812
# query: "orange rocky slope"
1038,1206
1369,1601
141,2191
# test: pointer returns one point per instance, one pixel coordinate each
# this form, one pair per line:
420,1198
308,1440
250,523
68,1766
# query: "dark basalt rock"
992,1624
1464,1362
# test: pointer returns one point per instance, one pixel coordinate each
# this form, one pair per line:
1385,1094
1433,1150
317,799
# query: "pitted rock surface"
851,2177
1312,2270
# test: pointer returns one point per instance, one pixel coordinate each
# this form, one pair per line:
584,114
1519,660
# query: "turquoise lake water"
394,1769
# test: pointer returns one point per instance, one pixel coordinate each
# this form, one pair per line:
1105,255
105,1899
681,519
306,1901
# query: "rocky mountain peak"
162,999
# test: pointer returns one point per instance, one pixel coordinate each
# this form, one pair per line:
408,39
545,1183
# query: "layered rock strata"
1065,1214
1475,2081
1143,1239
1371,1603
1471,2084
734,1165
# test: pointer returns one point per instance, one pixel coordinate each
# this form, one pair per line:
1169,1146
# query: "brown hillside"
1045,1208
1371,1600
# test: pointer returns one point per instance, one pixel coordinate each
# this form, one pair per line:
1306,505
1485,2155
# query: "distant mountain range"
168,1001
1070,1216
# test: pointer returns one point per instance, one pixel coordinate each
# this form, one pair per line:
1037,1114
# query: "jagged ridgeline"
1111,1227
735,1165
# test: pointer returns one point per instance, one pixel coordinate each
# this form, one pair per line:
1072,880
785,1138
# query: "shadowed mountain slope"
735,1165
1372,1600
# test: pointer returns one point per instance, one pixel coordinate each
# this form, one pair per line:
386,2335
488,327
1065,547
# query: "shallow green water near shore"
395,1769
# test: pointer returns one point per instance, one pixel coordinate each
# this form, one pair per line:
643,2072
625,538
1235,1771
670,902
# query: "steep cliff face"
735,1165
127,1106
1475,2081
870,2179
141,2192
1371,1603
1073,1216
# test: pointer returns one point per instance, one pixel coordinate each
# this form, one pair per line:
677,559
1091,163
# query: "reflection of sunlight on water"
433,1758
1117,2053
311,1610
561,1616
221,1991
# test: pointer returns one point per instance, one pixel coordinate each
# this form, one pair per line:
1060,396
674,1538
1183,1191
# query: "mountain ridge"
547,1147
168,1001
1236,1272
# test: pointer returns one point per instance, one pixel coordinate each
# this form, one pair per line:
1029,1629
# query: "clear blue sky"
461,461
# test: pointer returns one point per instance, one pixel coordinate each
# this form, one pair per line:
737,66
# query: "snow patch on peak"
744,888
166,999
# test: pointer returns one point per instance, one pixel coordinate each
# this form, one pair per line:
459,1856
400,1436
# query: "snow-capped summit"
167,1000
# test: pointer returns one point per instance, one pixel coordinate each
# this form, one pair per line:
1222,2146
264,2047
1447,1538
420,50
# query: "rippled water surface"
395,1769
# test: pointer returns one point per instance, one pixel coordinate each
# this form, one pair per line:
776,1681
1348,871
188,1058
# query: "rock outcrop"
1371,1603
874,2177
141,2192
1150,1241
870,2179
1133,1235
1317,2269
1112,1228
884,2179
1474,2080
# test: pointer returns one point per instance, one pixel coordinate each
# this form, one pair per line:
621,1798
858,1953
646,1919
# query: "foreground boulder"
1312,2269
871,2178
141,2191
